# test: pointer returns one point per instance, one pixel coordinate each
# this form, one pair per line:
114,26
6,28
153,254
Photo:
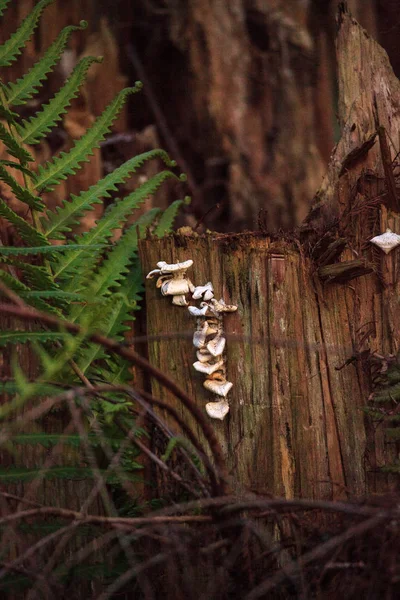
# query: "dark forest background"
242,93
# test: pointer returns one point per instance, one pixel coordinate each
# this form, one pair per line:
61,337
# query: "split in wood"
344,271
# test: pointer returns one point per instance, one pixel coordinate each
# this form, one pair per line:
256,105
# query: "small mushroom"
198,312
207,368
173,267
386,241
217,344
218,307
206,291
203,355
175,287
199,336
217,410
217,388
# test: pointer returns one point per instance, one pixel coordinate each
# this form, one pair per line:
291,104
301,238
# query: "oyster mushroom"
207,368
206,291
386,241
218,388
217,410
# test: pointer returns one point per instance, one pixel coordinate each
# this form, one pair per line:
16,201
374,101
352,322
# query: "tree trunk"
302,346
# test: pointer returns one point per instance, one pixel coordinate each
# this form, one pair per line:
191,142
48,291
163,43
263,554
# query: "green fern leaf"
24,88
42,389
14,148
7,115
52,439
113,218
109,313
46,250
18,166
115,266
118,259
73,473
3,6
67,163
12,47
38,277
23,291
29,234
22,193
34,129
60,221
167,219
22,337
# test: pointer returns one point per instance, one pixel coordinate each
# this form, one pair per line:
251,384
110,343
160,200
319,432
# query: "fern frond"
25,87
29,234
42,389
167,219
109,313
38,277
23,291
61,220
21,474
34,129
116,264
22,193
46,250
114,216
12,47
67,163
3,6
7,115
22,337
52,439
14,148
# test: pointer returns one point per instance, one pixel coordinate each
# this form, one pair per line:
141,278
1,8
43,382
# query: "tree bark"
301,346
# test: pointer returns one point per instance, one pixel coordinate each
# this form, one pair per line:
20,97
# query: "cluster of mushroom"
208,339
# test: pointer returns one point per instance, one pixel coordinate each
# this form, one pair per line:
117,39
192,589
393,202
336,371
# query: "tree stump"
314,309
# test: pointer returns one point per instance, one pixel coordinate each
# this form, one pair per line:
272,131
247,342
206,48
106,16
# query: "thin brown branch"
29,314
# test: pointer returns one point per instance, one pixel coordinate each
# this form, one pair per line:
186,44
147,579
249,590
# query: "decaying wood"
300,346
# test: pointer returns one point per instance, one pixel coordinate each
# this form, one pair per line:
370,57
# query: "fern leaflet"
67,163
24,88
166,220
22,193
13,147
12,47
22,337
29,234
34,129
113,217
60,221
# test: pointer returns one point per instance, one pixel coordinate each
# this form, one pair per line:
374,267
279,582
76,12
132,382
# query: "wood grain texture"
296,425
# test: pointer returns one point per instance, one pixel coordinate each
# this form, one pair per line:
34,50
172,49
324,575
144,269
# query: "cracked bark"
296,425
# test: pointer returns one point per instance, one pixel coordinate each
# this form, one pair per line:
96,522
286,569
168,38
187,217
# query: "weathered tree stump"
313,309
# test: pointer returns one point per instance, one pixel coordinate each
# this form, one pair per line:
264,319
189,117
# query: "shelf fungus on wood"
209,338
387,241
173,280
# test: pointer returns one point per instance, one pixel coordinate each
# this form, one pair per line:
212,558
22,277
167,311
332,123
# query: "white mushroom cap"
387,241
173,267
218,388
199,337
206,290
217,344
198,312
205,367
217,410
220,306
173,287
203,355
